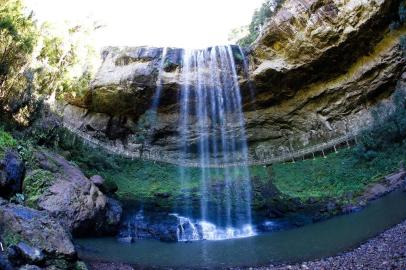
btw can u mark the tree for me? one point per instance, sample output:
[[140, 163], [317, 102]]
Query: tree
[[35, 62], [259, 18], [18, 37]]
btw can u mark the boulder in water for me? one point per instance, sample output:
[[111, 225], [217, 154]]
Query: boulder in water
[[159, 226]]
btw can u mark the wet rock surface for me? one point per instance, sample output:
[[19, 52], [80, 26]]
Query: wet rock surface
[[159, 226]]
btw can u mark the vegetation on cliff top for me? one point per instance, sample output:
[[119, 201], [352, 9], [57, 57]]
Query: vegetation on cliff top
[[246, 35], [35, 62]]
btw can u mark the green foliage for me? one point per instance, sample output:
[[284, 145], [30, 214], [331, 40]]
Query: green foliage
[[145, 180], [6, 140], [35, 184], [83, 155], [18, 37], [388, 128], [26, 150], [9, 238], [259, 18], [338, 176], [59, 55], [380, 149], [28, 77]]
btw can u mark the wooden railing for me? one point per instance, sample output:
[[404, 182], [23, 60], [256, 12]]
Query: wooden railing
[[161, 157]]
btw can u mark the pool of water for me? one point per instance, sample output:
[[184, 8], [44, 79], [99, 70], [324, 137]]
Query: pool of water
[[310, 242]]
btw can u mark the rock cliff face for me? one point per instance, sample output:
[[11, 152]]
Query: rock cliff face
[[317, 70]]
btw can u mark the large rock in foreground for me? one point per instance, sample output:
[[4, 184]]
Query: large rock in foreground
[[69, 196], [19, 223]]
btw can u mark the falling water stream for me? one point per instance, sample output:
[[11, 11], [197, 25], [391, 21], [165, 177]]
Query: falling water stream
[[210, 100]]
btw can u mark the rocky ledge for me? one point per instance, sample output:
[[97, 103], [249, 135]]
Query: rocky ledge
[[317, 70]]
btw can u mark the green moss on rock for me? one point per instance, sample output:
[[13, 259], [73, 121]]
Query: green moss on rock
[[35, 184], [9, 238]]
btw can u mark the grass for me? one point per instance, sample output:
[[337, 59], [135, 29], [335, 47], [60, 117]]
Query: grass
[[153, 182], [339, 175]]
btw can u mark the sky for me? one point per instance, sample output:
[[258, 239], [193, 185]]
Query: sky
[[162, 23]]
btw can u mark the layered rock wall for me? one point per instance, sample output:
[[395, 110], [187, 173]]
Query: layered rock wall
[[317, 70]]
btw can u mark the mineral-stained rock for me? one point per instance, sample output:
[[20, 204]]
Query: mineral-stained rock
[[74, 200], [11, 174]]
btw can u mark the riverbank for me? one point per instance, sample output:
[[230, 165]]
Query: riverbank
[[386, 251]]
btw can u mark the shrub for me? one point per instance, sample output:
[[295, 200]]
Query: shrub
[[388, 127], [6, 141]]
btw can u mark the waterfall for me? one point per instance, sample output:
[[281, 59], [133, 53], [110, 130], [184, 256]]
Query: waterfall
[[189, 230], [247, 74], [159, 85], [210, 100]]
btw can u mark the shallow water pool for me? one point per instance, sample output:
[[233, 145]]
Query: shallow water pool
[[310, 242]]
